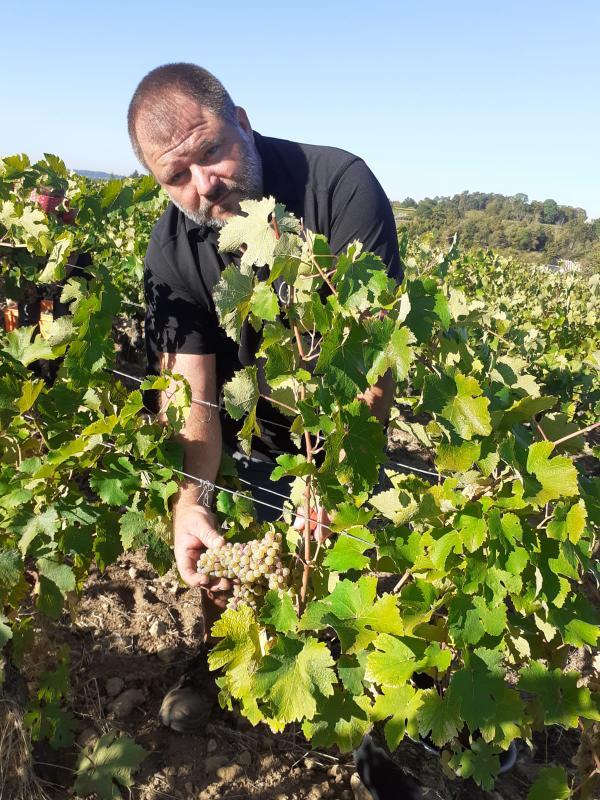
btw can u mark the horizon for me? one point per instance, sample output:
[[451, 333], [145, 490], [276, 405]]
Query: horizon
[[437, 100]]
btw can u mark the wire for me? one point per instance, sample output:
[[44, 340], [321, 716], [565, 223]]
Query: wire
[[203, 481], [399, 464], [196, 400], [414, 469]]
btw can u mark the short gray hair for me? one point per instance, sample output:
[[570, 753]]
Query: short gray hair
[[153, 98]]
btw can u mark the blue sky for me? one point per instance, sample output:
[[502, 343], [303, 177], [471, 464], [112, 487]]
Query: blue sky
[[437, 97]]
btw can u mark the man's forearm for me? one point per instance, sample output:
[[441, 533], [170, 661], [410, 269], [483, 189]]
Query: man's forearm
[[201, 440], [380, 396]]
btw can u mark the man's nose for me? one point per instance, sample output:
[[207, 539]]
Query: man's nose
[[204, 180]]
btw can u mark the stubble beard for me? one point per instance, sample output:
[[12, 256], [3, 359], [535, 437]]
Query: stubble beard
[[248, 184]]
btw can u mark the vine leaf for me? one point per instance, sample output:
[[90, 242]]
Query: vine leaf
[[293, 676], [395, 660], [26, 347], [397, 356], [241, 393], [354, 614], [279, 612], [561, 700], [252, 229], [109, 765], [557, 475], [480, 762], [238, 650], [550, 784], [233, 298], [484, 701], [438, 717], [341, 720], [467, 411], [45, 524], [400, 705], [348, 553]]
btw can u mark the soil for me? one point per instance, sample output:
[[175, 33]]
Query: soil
[[142, 630], [135, 632]]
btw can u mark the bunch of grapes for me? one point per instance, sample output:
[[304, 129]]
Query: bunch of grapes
[[255, 567]]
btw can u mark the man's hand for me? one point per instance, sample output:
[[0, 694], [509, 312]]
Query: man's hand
[[195, 528], [319, 523]]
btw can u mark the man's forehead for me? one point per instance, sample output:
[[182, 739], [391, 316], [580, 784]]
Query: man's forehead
[[165, 125]]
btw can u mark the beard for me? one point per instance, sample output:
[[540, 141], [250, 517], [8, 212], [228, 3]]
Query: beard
[[247, 184]]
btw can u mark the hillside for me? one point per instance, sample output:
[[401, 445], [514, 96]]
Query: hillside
[[542, 232]]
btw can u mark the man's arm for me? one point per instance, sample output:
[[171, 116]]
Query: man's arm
[[195, 526], [380, 396]]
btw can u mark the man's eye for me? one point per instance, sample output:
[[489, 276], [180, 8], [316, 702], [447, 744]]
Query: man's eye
[[177, 177], [211, 151]]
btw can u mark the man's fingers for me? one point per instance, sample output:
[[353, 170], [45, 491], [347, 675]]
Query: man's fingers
[[322, 530], [207, 536], [189, 573]]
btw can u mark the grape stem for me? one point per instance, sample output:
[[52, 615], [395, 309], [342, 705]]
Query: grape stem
[[307, 519]]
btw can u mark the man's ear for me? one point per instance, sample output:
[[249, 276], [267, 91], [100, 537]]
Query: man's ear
[[243, 121]]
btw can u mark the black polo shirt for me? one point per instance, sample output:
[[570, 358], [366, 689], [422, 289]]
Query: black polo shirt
[[332, 191]]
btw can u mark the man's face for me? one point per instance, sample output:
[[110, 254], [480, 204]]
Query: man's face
[[207, 165]]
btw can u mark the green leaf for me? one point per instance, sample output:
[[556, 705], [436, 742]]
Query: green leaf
[[457, 458], [233, 297], [484, 701], [279, 612], [557, 475], [351, 670], [61, 575], [264, 304], [21, 347], [400, 705], [5, 632], [293, 676], [253, 230], [133, 525], [524, 409], [363, 445], [473, 530], [341, 720], [295, 465], [397, 356], [356, 615], [11, 568], [159, 553], [108, 766], [562, 701], [480, 762], [568, 522], [44, 525], [30, 391], [551, 784], [238, 651], [348, 553], [467, 411], [241, 393], [55, 269], [436, 716]]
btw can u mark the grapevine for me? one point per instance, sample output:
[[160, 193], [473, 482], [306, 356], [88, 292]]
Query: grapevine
[[473, 575]]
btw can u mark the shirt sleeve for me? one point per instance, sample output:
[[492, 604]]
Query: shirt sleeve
[[176, 320], [361, 210]]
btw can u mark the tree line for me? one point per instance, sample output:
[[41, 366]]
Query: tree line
[[543, 232]]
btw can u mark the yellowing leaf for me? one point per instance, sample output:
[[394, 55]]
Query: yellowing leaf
[[293, 676]]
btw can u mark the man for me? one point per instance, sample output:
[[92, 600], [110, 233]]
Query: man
[[200, 147]]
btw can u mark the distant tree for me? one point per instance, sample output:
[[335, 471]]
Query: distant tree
[[135, 174], [408, 202], [550, 212]]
